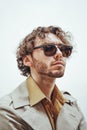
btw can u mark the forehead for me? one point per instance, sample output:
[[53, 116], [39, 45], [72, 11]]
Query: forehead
[[49, 38]]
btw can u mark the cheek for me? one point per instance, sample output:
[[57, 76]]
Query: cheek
[[42, 66]]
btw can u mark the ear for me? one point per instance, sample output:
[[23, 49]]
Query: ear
[[28, 61]]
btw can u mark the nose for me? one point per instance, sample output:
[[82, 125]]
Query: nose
[[58, 54]]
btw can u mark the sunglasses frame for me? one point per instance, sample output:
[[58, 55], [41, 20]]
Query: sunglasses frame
[[62, 47]]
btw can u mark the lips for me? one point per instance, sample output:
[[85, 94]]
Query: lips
[[58, 63]]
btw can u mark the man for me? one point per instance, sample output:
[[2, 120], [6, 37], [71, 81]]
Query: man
[[38, 104]]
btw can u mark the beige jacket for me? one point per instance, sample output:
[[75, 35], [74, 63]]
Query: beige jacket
[[17, 114]]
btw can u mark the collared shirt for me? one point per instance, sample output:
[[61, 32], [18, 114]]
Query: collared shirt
[[52, 107]]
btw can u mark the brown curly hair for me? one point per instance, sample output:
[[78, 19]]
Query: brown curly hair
[[27, 44]]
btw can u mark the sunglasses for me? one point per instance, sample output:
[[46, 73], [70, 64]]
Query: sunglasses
[[51, 49]]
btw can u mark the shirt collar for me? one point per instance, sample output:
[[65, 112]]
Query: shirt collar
[[35, 93], [21, 95]]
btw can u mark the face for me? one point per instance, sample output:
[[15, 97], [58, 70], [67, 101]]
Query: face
[[52, 66]]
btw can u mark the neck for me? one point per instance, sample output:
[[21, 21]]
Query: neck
[[45, 83]]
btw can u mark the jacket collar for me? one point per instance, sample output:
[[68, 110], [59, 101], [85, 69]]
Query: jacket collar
[[20, 96]]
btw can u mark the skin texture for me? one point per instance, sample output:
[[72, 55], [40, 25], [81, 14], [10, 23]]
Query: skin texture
[[44, 70]]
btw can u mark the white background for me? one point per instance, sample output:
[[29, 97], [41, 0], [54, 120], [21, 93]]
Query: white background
[[20, 17]]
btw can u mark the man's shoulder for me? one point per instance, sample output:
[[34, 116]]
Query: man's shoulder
[[6, 100], [68, 96]]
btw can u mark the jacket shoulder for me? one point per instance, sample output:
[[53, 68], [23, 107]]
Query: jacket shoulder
[[69, 97], [6, 100]]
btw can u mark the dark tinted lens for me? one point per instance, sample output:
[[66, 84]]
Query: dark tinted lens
[[50, 50], [66, 50]]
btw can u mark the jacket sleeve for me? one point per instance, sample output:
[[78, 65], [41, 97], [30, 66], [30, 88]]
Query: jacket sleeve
[[83, 123], [9, 120]]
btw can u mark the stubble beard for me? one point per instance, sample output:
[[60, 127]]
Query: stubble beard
[[43, 70]]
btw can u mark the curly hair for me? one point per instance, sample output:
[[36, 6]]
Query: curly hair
[[27, 44]]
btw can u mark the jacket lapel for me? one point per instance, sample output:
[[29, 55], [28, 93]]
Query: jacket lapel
[[35, 116], [69, 116]]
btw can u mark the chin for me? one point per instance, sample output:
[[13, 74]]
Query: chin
[[56, 75], [59, 76]]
